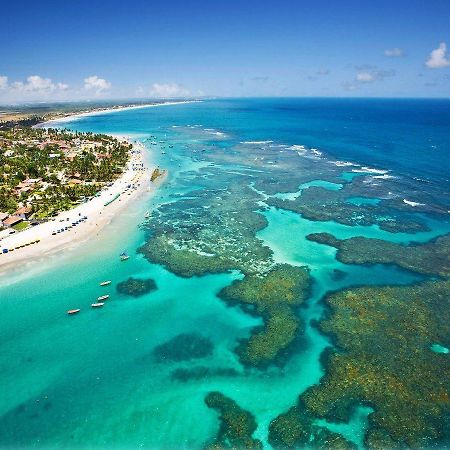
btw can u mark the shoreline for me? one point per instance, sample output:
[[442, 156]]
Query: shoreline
[[98, 213], [96, 112], [38, 242]]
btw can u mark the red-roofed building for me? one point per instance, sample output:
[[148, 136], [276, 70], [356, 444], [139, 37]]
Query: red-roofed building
[[11, 220], [3, 216], [24, 212]]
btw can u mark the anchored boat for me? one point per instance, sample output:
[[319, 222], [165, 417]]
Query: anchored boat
[[103, 297], [97, 305], [105, 283], [73, 311]]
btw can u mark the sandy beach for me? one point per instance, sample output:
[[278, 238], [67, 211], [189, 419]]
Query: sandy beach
[[72, 117], [42, 240]]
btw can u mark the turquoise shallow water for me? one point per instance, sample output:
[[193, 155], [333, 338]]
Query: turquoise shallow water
[[91, 380]]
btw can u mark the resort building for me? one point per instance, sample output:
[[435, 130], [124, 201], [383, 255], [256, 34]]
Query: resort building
[[24, 212], [3, 216], [11, 221]]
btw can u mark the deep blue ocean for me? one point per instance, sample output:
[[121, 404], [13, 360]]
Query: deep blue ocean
[[409, 136], [94, 382]]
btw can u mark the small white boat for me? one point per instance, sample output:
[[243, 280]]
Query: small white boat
[[103, 297], [97, 305], [105, 283], [147, 214], [73, 311], [124, 256]]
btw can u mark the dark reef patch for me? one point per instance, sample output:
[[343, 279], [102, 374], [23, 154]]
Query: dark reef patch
[[320, 204], [202, 372], [295, 429], [134, 287], [236, 425], [273, 296], [184, 347], [431, 258], [383, 359], [212, 231], [383, 335]]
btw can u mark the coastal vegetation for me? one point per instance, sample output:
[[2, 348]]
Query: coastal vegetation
[[50, 170], [236, 425]]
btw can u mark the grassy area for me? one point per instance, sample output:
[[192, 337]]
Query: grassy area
[[20, 226]]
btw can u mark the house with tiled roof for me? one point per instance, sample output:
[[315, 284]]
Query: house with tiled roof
[[24, 212], [3, 216], [11, 220]]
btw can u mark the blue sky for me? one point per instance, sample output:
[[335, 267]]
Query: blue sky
[[122, 49]]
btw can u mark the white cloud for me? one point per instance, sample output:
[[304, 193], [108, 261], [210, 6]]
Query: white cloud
[[3, 82], [369, 74], [34, 84], [94, 83], [438, 57], [34, 87], [366, 74], [168, 90], [394, 52], [365, 77]]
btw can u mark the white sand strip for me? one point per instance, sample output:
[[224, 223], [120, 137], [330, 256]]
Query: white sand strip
[[98, 216]]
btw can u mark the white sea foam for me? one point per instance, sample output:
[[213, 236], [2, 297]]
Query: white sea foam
[[214, 132], [343, 163], [316, 154], [413, 204], [256, 142], [365, 169], [383, 177]]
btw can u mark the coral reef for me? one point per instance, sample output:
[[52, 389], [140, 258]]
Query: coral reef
[[184, 347], [295, 429], [208, 233], [236, 425], [136, 287], [273, 296], [319, 204], [201, 372], [431, 258], [383, 359]]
